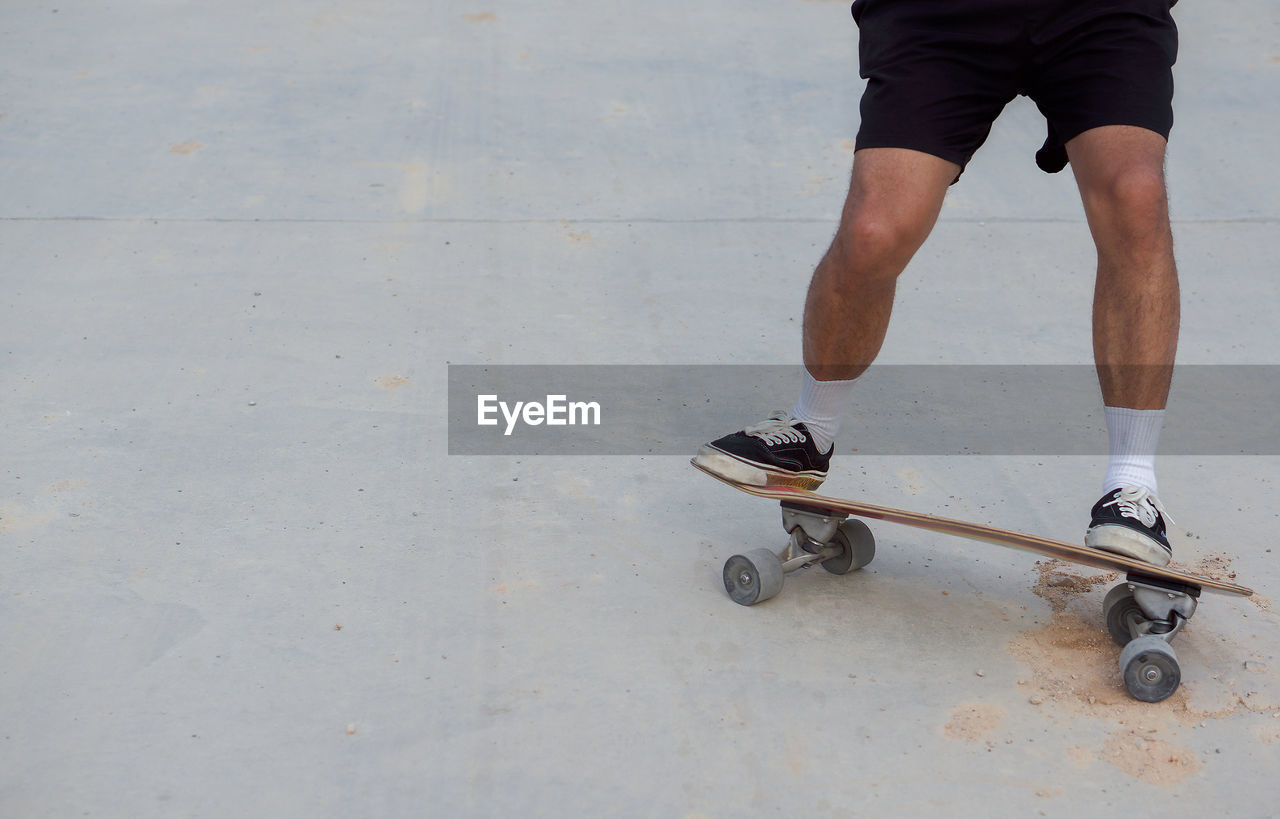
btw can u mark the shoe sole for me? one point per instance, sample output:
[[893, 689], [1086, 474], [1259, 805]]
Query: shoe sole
[[732, 468], [1122, 540]]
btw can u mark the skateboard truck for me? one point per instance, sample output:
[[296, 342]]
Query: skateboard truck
[[835, 541], [1166, 605], [1143, 614]]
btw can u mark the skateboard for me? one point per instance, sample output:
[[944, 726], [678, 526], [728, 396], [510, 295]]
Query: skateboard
[[1142, 614]]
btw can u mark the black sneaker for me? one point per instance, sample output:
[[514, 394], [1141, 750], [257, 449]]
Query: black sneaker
[[1130, 522], [775, 452]]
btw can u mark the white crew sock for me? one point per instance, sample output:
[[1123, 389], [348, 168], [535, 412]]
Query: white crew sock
[[821, 407], [1133, 436]]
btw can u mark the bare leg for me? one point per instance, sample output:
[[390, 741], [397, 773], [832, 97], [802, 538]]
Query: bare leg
[[1120, 173], [894, 199]]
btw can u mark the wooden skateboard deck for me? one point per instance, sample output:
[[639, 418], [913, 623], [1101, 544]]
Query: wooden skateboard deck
[[989, 534]]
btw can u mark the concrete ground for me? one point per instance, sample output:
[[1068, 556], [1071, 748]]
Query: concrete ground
[[240, 574]]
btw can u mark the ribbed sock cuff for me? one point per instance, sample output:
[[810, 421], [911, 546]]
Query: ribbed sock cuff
[[1133, 437], [821, 407]]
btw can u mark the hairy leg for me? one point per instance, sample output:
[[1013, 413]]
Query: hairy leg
[[894, 199], [1120, 173]]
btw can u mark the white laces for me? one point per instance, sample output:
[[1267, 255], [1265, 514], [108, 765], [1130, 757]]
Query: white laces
[[777, 429], [1140, 504]]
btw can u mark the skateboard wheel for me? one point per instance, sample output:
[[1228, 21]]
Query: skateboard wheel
[[1150, 669], [754, 577], [1118, 607], [857, 547]]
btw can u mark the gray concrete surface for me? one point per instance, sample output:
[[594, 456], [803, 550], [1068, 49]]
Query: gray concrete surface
[[239, 574]]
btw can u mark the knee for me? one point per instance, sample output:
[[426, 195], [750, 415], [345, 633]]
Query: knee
[[1129, 216], [874, 245], [1131, 196]]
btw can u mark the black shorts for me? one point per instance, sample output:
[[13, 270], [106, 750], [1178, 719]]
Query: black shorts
[[940, 71]]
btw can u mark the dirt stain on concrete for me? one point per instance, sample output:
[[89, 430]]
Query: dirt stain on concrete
[[189, 147], [19, 519], [973, 721], [1144, 756], [1268, 734], [577, 237], [420, 185], [391, 382], [481, 17], [911, 480]]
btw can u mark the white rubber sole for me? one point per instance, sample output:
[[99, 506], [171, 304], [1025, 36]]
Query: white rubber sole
[[735, 469], [1122, 540]]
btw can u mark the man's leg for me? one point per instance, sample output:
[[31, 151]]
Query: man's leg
[[1120, 173], [894, 199]]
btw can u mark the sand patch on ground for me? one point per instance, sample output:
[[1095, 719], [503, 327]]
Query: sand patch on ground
[[1268, 734], [1217, 566], [1144, 756], [1058, 584], [973, 721]]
